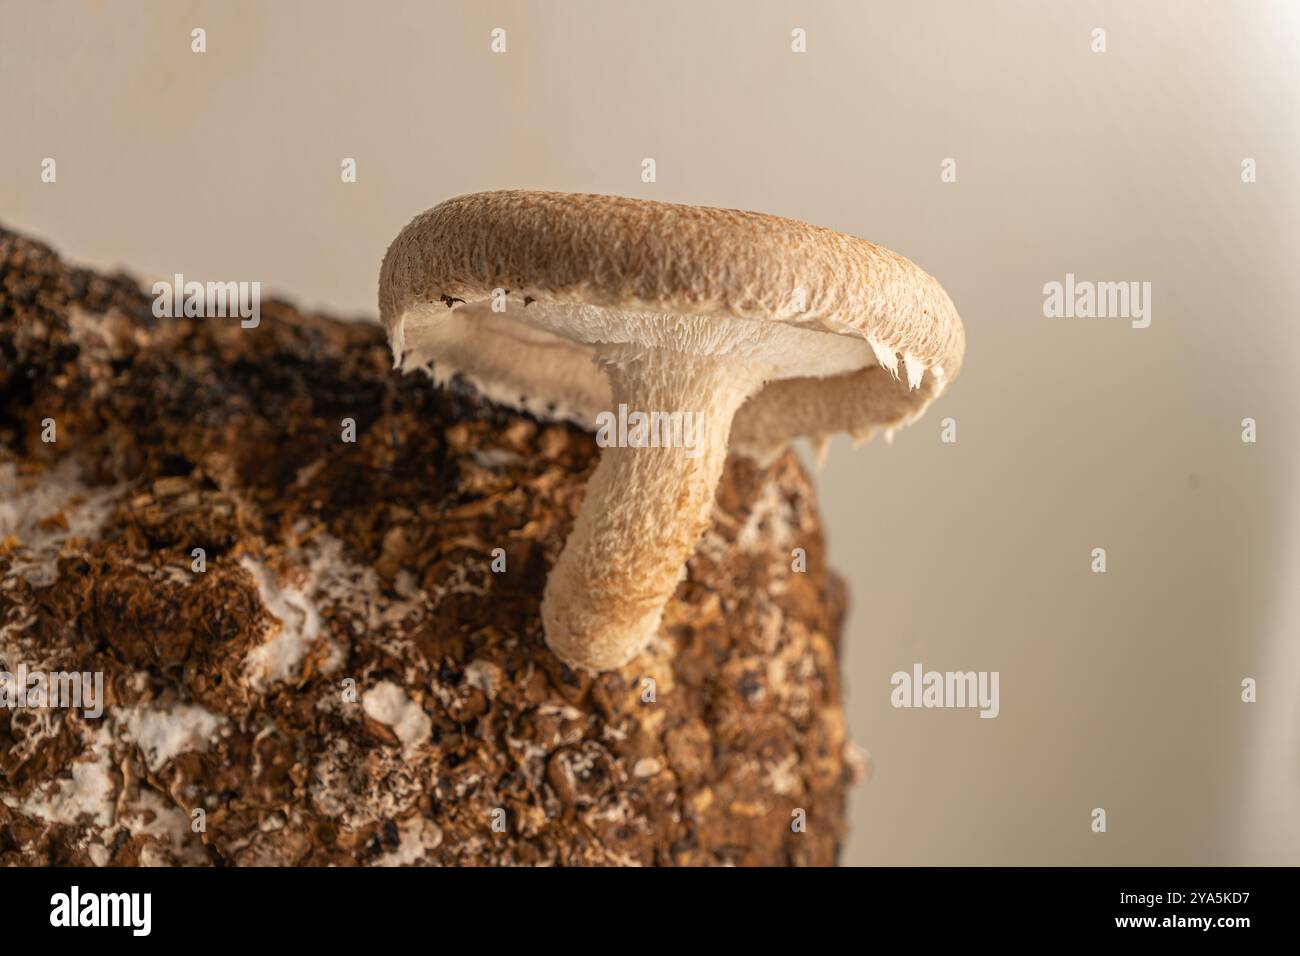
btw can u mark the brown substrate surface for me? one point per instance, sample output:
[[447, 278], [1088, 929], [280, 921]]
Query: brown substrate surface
[[343, 678]]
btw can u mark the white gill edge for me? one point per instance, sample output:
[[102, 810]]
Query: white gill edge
[[886, 355]]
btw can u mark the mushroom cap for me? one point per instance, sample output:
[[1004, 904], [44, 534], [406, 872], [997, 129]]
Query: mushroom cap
[[872, 339]]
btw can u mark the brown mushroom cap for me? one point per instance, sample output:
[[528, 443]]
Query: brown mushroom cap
[[552, 253]]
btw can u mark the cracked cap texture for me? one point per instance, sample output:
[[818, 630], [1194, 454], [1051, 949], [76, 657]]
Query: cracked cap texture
[[639, 255]]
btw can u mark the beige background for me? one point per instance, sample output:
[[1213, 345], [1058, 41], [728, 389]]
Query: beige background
[[1119, 691]]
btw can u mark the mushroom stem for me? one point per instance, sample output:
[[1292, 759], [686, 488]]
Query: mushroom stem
[[646, 507]]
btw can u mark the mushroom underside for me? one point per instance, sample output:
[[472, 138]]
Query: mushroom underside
[[545, 364]]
